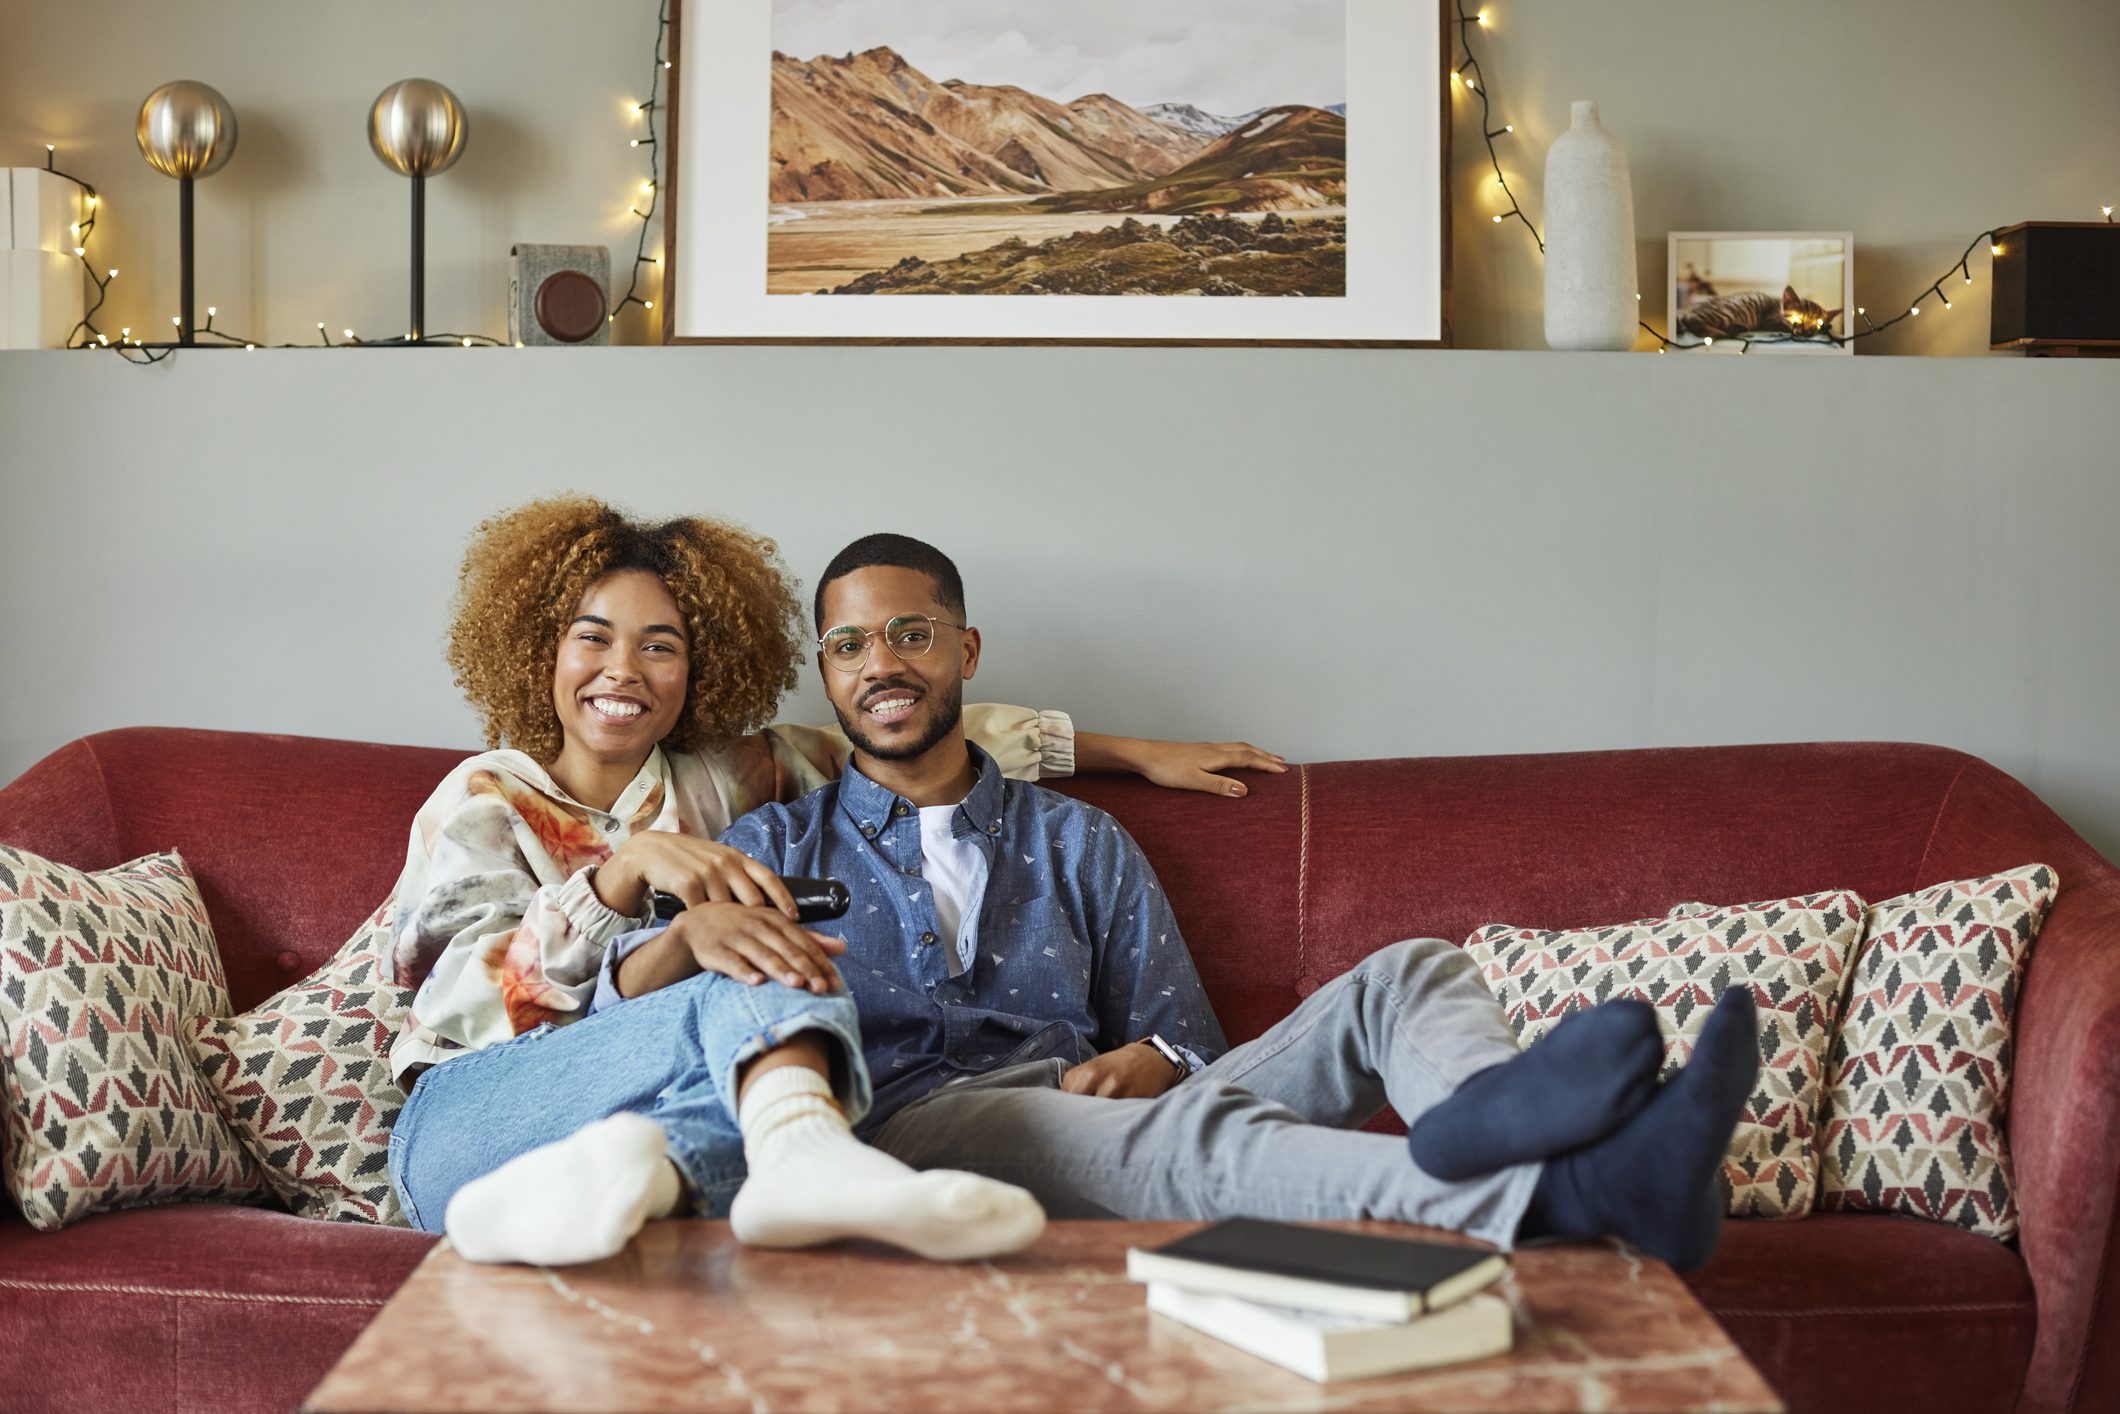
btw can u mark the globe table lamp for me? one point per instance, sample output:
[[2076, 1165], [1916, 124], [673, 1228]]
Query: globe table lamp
[[186, 131], [417, 129]]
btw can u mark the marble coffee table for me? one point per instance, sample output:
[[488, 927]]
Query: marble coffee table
[[688, 1319]]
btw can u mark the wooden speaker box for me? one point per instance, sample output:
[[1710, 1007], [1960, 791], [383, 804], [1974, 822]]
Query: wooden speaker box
[[2057, 288]]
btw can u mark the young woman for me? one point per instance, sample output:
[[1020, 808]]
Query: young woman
[[630, 668]]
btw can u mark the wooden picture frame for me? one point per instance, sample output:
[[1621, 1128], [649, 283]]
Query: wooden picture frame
[[851, 131]]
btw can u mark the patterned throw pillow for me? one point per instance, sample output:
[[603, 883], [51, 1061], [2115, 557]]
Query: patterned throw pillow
[[1791, 952], [99, 975], [1920, 1068], [305, 1079]]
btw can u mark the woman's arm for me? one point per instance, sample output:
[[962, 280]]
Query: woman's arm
[[1031, 745], [1175, 765]]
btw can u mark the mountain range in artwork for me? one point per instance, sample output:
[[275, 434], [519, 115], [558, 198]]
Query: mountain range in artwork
[[883, 180]]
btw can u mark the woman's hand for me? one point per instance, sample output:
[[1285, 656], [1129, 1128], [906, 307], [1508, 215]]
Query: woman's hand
[[1176, 765], [1135, 1072], [695, 870]]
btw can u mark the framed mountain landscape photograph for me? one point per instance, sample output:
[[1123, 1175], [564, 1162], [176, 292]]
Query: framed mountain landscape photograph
[[1058, 171]]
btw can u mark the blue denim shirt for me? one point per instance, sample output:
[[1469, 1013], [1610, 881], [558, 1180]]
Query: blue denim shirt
[[1076, 948]]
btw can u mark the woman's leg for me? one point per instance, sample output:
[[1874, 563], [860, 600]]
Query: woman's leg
[[556, 1146]]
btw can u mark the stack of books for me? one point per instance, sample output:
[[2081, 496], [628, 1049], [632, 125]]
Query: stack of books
[[1329, 1305]]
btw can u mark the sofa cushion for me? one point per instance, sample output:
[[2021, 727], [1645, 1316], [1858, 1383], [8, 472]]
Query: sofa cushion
[[1791, 952], [99, 975], [1920, 1065], [304, 1078], [196, 1306], [1865, 1311]]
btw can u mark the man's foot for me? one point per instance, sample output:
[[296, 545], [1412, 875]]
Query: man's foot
[[1653, 1182], [578, 1200], [812, 1182], [1577, 1084]]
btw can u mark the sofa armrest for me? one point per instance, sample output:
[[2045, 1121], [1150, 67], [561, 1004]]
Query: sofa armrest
[[2064, 1128], [60, 808], [2064, 1108]]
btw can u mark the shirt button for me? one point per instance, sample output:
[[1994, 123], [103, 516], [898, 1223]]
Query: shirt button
[[993, 829], [902, 809], [914, 871], [927, 937], [868, 831]]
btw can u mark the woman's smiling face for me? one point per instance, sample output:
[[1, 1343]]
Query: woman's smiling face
[[619, 682]]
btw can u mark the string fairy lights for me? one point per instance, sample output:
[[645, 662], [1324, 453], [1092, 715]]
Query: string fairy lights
[[653, 185], [86, 334], [1476, 81]]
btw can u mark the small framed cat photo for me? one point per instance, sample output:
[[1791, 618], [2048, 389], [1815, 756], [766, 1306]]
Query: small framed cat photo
[[1762, 291]]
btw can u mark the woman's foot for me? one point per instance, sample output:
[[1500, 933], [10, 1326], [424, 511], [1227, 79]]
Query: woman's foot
[[1653, 1182], [578, 1200], [811, 1182], [1577, 1084]]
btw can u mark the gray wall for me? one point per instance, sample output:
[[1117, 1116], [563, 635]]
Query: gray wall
[[1333, 553], [1342, 553], [1915, 123]]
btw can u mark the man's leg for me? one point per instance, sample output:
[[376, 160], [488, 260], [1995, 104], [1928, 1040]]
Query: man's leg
[[1207, 1149], [1414, 1026]]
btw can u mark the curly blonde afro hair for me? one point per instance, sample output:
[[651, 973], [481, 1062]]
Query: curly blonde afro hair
[[527, 570]]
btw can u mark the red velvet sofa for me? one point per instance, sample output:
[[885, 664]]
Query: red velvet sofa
[[294, 841]]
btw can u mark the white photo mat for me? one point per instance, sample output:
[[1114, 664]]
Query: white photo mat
[[1398, 227]]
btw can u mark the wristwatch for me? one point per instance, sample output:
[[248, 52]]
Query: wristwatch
[[1169, 1052]]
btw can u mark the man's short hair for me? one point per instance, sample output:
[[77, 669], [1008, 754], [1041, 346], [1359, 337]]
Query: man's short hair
[[888, 551]]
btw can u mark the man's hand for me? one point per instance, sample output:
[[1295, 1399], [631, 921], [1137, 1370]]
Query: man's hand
[[742, 941], [1136, 1072]]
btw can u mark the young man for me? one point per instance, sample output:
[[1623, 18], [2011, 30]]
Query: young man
[[1029, 1011]]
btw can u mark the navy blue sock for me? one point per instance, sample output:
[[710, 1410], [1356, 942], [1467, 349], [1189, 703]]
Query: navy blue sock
[[1654, 1181], [1577, 1084]]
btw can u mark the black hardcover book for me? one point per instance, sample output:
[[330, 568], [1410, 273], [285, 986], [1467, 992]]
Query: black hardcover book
[[1320, 1269]]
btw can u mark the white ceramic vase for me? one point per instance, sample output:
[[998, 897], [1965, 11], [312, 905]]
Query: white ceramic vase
[[1591, 285]]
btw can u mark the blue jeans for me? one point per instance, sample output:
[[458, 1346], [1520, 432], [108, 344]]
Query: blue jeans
[[672, 1055]]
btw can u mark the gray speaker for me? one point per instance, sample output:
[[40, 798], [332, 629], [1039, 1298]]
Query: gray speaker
[[559, 294]]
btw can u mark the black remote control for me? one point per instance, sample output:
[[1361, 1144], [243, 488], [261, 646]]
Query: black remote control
[[816, 900]]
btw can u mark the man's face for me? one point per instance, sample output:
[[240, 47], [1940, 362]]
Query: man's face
[[893, 708]]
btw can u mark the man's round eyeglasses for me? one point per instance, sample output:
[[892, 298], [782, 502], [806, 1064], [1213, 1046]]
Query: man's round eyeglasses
[[908, 636]]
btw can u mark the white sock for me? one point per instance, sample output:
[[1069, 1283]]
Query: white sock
[[578, 1200], [812, 1181]]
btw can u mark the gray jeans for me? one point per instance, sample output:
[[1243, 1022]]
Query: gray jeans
[[1267, 1131]]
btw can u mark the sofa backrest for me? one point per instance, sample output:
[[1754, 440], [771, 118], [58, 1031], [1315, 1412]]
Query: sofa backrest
[[295, 840], [1285, 889]]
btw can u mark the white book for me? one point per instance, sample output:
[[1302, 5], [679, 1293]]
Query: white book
[[1321, 1346]]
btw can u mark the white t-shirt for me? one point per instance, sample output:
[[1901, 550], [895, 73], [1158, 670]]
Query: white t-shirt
[[956, 870]]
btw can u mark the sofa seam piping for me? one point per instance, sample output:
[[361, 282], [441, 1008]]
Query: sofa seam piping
[[195, 1293], [2083, 1357], [1303, 875], [110, 806], [1937, 823], [1839, 1311]]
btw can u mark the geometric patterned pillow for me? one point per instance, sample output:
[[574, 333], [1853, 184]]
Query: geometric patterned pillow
[[1792, 953], [305, 1080], [1921, 1062], [99, 975]]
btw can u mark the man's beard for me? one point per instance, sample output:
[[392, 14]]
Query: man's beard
[[949, 711]]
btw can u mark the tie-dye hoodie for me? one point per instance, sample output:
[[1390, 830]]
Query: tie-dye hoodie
[[495, 920]]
